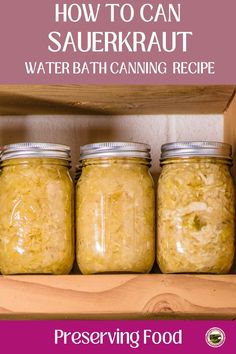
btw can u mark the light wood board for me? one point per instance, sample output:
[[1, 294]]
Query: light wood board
[[118, 296], [230, 124], [113, 100]]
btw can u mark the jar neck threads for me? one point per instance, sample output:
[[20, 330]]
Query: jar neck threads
[[115, 161], [196, 159], [35, 161]]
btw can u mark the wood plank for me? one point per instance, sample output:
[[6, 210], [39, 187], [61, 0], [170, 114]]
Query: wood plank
[[230, 137], [113, 100], [118, 296], [230, 124]]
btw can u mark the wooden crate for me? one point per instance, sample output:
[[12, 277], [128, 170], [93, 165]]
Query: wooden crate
[[118, 296]]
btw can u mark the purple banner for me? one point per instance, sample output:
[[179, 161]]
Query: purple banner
[[128, 42], [104, 337]]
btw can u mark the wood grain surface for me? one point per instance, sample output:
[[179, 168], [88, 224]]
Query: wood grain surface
[[118, 296], [230, 127], [113, 100]]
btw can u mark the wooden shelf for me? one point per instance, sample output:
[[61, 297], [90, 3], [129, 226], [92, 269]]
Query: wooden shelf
[[114, 100], [118, 296]]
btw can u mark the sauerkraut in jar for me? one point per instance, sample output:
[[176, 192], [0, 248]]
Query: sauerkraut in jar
[[115, 209], [36, 214], [196, 208]]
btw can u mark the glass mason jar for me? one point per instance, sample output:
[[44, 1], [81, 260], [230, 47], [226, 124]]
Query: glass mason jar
[[196, 208], [36, 214], [115, 209]]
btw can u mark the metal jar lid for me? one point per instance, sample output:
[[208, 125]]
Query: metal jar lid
[[36, 150], [115, 149], [196, 148]]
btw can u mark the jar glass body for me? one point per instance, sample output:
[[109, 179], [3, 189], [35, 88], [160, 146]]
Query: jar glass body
[[36, 217], [115, 216], [195, 216]]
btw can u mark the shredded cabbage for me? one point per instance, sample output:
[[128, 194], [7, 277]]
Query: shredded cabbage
[[36, 217], [115, 218], [195, 217]]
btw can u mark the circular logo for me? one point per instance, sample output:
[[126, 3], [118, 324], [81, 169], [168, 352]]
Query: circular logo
[[215, 337]]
